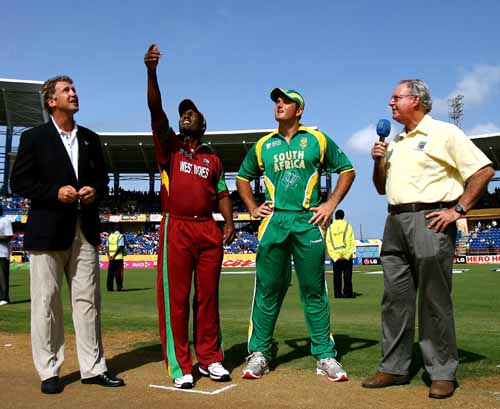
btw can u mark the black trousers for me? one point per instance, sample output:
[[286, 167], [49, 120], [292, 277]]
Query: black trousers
[[342, 269], [4, 279], [115, 273]]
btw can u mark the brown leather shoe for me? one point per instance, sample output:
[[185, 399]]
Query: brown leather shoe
[[441, 389], [382, 380]]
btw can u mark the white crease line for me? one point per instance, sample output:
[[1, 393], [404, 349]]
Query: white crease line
[[171, 388], [225, 388]]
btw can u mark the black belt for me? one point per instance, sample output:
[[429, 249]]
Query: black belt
[[417, 207]]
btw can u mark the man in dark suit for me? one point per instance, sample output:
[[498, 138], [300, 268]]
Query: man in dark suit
[[60, 167]]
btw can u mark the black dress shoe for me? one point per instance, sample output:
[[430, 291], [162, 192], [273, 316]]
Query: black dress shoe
[[52, 385], [104, 379]]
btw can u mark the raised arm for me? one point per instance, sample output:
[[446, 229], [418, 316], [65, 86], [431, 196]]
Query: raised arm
[[159, 119]]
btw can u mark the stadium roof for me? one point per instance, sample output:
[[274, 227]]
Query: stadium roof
[[490, 145], [132, 152], [21, 103]]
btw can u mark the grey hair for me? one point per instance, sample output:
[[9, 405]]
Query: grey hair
[[421, 90]]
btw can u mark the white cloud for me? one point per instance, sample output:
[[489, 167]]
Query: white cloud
[[476, 86], [488, 127], [362, 141]]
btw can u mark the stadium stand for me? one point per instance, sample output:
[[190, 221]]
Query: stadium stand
[[481, 237]]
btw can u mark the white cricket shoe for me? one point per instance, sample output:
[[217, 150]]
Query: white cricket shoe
[[256, 366], [332, 369], [216, 372], [184, 382]]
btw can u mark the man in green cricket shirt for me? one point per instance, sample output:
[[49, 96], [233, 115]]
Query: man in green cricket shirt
[[291, 159]]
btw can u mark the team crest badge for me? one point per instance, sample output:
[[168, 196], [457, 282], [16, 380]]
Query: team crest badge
[[206, 161], [421, 146], [303, 142]]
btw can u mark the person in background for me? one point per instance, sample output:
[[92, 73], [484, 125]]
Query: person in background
[[116, 253], [5, 237], [340, 244]]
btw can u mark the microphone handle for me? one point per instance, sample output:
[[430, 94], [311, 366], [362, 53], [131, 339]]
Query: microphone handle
[[381, 138]]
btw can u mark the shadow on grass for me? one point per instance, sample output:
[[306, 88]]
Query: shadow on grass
[[125, 361], [235, 356], [301, 347], [128, 290], [464, 357]]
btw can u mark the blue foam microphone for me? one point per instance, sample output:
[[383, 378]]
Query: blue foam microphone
[[383, 129]]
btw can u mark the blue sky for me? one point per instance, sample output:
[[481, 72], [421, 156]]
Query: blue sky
[[344, 57]]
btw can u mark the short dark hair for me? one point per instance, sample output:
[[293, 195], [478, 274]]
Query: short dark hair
[[339, 214], [49, 88]]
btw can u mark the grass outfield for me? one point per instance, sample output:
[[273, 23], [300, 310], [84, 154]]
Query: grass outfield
[[355, 322]]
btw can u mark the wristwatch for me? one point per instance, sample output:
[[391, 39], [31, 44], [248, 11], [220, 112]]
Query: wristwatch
[[460, 209]]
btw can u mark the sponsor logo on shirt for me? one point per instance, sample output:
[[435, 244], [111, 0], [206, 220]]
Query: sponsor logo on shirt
[[315, 241], [272, 144]]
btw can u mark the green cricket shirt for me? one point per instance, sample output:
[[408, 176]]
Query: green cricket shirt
[[292, 170]]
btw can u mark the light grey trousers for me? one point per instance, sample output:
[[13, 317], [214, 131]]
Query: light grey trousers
[[80, 265], [418, 263]]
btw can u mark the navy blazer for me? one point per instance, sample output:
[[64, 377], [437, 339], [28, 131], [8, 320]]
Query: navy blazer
[[42, 167]]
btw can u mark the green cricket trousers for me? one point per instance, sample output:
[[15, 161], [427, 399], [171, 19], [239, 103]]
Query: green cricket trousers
[[282, 235]]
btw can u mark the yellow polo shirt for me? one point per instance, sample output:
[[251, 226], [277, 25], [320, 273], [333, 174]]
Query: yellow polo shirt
[[431, 163]]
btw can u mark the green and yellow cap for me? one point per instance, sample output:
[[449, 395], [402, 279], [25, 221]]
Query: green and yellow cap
[[288, 93]]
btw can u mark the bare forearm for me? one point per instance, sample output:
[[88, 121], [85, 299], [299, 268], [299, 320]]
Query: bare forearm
[[379, 176], [246, 195], [476, 186], [343, 185], [154, 95], [226, 209]]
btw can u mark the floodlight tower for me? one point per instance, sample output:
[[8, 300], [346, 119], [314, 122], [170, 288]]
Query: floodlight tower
[[456, 109]]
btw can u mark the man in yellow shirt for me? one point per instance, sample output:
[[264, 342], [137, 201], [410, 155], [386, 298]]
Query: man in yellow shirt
[[116, 253], [423, 171], [340, 244]]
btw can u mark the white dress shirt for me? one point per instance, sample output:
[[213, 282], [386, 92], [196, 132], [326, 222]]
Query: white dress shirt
[[5, 230], [70, 142]]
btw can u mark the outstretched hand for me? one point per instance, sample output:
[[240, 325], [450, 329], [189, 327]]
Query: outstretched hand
[[152, 57]]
